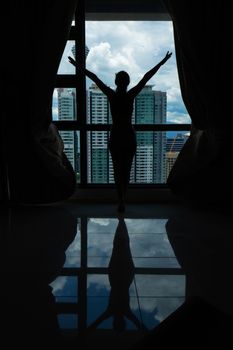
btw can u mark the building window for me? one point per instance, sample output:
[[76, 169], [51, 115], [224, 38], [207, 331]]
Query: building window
[[81, 111]]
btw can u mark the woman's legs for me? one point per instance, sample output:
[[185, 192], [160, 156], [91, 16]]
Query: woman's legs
[[122, 148], [119, 178], [122, 163]]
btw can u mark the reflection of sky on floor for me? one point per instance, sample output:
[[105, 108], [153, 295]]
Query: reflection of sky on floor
[[73, 251], [152, 296], [148, 242]]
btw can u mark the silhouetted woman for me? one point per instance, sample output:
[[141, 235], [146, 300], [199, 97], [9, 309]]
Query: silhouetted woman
[[122, 141]]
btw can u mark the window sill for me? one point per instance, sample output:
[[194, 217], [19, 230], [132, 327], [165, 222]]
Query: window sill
[[139, 195]]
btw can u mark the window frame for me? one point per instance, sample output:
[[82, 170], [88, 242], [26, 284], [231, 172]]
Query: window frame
[[77, 34]]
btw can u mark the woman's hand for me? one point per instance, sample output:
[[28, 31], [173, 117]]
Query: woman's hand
[[168, 55], [72, 61]]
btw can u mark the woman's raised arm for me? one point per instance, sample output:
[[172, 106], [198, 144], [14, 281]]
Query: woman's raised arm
[[137, 88], [103, 87]]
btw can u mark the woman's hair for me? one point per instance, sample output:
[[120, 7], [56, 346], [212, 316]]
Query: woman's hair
[[122, 79]]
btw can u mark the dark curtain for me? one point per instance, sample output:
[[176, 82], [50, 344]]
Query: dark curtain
[[33, 162], [203, 42]]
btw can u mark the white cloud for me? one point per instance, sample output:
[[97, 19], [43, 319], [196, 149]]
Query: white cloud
[[133, 46], [178, 117], [100, 221], [101, 282], [59, 283], [160, 307], [146, 225], [160, 285]]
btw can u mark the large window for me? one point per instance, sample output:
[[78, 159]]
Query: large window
[[82, 112]]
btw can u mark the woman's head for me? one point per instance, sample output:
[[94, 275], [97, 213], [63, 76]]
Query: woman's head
[[122, 79]]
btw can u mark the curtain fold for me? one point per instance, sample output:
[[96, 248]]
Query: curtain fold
[[35, 36], [203, 42]]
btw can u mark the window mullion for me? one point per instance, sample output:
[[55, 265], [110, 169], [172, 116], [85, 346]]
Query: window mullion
[[81, 87]]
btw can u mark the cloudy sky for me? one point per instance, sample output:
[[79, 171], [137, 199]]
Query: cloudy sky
[[135, 47]]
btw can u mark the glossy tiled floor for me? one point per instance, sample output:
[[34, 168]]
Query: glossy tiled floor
[[84, 275]]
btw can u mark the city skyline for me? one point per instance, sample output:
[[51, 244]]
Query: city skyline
[[156, 152]]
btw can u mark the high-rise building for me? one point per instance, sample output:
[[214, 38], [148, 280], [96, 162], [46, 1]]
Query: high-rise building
[[149, 163], [150, 108], [74, 51], [99, 161], [173, 147], [66, 111]]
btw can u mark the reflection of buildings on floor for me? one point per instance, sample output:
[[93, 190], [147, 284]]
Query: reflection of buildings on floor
[[59, 261]]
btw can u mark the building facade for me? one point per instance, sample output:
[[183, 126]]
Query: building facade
[[150, 107], [174, 145], [66, 111]]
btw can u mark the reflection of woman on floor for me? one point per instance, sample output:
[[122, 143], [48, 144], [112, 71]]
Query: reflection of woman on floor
[[122, 142], [121, 274]]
